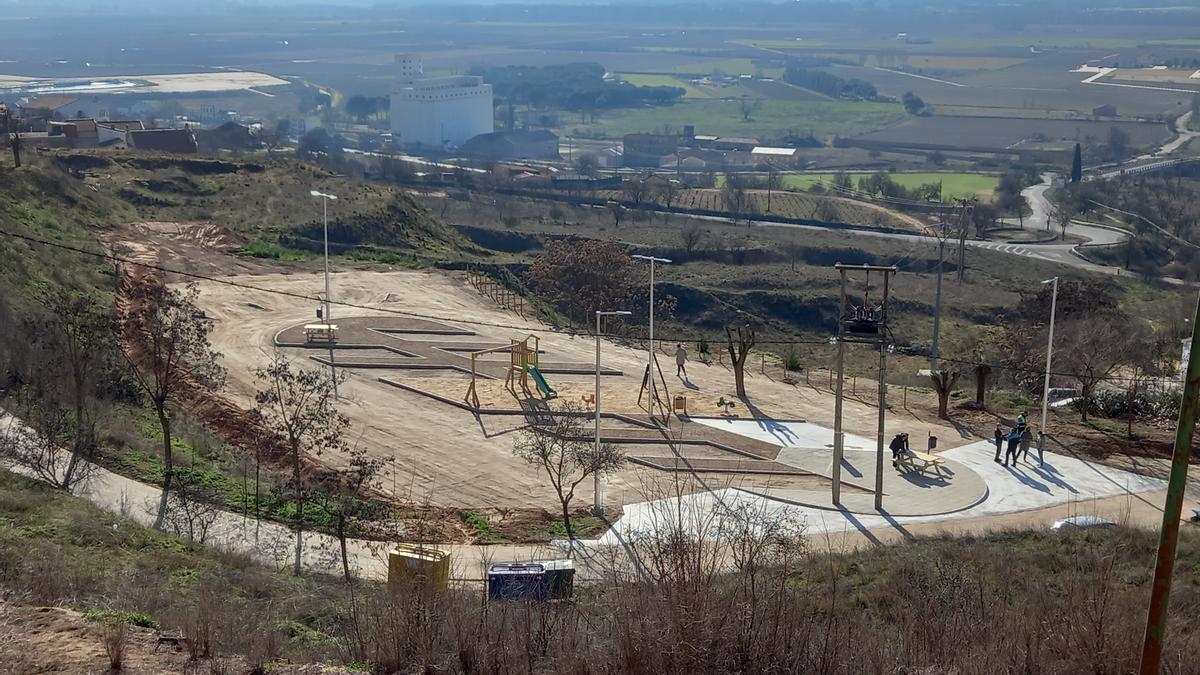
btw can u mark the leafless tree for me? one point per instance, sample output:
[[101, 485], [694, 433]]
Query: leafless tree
[[561, 445], [739, 350], [617, 211], [298, 405], [794, 251], [75, 335], [1060, 213], [191, 509], [1092, 350], [169, 352], [748, 106], [38, 443], [691, 235], [943, 383], [343, 497]]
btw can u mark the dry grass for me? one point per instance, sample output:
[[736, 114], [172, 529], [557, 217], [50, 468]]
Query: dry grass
[[754, 599], [114, 645]]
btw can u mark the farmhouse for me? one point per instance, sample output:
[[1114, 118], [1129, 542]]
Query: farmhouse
[[515, 144], [177, 141], [648, 149], [763, 154], [435, 112]]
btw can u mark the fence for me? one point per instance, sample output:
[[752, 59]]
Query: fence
[[503, 296]]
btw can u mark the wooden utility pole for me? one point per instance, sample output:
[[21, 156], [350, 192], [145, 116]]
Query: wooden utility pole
[[866, 325], [1164, 568]]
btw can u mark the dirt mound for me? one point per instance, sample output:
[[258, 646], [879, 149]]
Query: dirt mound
[[207, 235]]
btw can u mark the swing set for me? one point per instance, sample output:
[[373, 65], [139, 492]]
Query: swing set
[[523, 365]]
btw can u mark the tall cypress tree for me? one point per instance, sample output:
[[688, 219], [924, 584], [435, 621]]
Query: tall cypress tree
[[1077, 165]]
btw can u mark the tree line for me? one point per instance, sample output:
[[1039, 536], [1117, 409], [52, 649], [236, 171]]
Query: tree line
[[572, 86]]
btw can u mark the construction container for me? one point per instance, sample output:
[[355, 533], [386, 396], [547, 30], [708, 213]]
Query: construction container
[[419, 564], [537, 581]]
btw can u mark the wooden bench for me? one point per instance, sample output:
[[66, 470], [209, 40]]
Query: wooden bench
[[919, 461]]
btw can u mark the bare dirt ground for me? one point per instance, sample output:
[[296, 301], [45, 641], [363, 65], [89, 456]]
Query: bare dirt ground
[[57, 640], [445, 454]]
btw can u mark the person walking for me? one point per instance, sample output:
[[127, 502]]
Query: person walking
[[1026, 439], [1041, 446], [680, 360], [1014, 440], [999, 442], [1022, 420]]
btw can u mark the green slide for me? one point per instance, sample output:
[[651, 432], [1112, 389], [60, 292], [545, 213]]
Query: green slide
[[541, 383]]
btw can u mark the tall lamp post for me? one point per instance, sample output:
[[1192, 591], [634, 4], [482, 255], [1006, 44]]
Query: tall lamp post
[[650, 351], [1049, 351], [598, 497], [325, 198]]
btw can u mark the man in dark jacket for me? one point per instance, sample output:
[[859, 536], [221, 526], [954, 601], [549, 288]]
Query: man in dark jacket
[[999, 442], [898, 446]]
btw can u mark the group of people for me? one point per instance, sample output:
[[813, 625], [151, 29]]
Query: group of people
[[1018, 441]]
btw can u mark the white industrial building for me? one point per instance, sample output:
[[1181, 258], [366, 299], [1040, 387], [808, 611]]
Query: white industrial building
[[437, 112]]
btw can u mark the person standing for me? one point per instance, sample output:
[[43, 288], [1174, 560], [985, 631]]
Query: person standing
[[1026, 439], [1041, 447], [1014, 440], [898, 446], [1022, 420], [999, 442], [680, 360]]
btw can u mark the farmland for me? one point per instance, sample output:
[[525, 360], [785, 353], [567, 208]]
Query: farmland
[[789, 205], [998, 132], [825, 119], [953, 184]]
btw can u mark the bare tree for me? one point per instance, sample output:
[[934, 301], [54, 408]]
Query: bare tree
[[1091, 350], [739, 349], [617, 211], [343, 497], [38, 443], [1060, 213], [75, 334], [943, 383], [748, 106], [794, 251], [561, 445], [691, 235], [168, 349], [668, 191], [298, 405], [191, 511]]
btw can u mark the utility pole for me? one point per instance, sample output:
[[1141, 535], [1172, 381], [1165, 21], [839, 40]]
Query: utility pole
[[870, 327], [883, 343], [1049, 351], [770, 180], [651, 361], [967, 206], [597, 484], [838, 434], [1164, 568], [937, 306], [328, 319]]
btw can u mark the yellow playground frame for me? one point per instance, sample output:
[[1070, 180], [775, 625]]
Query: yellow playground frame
[[522, 357]]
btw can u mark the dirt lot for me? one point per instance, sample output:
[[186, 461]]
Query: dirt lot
[[444, 453]]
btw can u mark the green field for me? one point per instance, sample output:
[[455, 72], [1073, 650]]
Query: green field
[[825, 119], [953, 184], [651, 80]]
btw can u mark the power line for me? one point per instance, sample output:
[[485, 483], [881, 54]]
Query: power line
[[489, 324]]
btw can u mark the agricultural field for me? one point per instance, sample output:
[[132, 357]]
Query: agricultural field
[[825, 119], [1000, 132], [790, 205], [653, 80], [953, 184], [782, 91], [1189, 77]]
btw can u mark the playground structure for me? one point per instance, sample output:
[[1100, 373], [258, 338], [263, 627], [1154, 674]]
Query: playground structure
[[523, 364]]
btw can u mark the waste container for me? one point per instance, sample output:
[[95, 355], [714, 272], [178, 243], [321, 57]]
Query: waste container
[[932, 443], [539, 581], [418, 563]]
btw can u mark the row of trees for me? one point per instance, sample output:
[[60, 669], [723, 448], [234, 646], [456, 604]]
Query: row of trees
[[830, 84], [572, 86]]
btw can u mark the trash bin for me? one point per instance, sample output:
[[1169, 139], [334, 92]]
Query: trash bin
[[538, 581], [932, 443], [417, 563]]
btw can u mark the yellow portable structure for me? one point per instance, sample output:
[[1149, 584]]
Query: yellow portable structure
[[419, 563], [521, 356]]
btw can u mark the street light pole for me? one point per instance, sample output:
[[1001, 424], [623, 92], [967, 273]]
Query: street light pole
[[597, 485], [328, 306], [1049, 352], [937, 307], [650, 386]]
